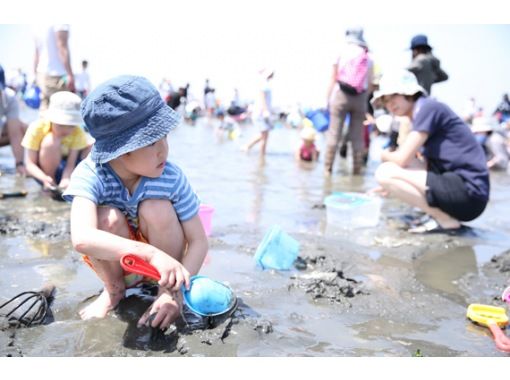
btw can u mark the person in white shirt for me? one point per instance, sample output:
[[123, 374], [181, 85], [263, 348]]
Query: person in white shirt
[[52, 61], [82, 80]]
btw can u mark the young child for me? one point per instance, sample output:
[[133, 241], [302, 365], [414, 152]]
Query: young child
[[55, 143], [127, 198], [307, 151], [451, 183], [228, 124]]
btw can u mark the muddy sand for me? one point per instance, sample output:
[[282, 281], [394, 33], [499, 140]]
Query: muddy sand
[[377, 291]]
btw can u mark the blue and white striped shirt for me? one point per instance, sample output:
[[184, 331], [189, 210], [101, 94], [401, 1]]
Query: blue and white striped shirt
[[101, 185]]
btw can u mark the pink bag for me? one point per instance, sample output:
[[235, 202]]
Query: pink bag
[[353, 73]]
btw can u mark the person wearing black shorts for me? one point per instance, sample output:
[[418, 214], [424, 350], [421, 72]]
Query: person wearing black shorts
[[440, 168]]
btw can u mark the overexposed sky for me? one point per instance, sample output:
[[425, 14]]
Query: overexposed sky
[[228, 42]]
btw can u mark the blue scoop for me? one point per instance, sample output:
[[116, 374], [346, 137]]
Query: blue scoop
[[207, 297]]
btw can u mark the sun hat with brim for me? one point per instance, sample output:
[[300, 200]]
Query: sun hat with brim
[[355, 36], [419, 40], [401, 82], [124, 114], [308, 133], [482, 124], [64, 109]]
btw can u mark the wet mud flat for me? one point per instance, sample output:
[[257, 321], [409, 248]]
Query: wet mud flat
[[364, 292]]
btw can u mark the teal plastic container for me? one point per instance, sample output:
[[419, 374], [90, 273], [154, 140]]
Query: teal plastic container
[[353, 210], [208, 297], [277, 250]]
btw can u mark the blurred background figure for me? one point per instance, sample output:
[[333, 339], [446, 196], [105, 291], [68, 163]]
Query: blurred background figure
[[52, 61], [12, 128], [82, 81], [493, 141], [502, 111], [165, 89], [470, 110], [17, 81], [351, 82], [307, 151], [262, 111], [425, 66]]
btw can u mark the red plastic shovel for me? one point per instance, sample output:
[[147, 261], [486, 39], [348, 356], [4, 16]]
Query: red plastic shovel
[[134, 264]]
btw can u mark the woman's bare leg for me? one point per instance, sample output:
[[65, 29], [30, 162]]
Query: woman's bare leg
[[409, 185]]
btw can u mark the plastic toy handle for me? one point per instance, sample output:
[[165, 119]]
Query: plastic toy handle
[[501, 340], [134, 264], [14, 194]]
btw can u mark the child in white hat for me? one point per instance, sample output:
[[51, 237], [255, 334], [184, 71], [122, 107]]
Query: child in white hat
[[56, 142], [308, 150]]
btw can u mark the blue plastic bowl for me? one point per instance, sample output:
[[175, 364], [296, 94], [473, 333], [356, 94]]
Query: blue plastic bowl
[[207, 297]]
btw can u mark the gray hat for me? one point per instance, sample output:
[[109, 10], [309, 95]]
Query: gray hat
[[355, 36], [124, 114]]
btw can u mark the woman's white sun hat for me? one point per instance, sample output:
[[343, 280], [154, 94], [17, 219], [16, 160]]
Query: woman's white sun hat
[[64, 109], [401, 82]]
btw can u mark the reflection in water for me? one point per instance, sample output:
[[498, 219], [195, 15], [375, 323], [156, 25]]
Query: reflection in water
[[442, 268], [259, 181]]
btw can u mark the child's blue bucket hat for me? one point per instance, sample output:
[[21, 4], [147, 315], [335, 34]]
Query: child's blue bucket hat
[[124, 114], [208, 298]]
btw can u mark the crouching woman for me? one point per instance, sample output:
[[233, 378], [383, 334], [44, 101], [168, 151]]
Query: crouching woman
[[440, 168]]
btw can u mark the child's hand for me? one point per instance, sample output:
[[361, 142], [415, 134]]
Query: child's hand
[[163, 312], [48, 183], [64, 183], [173, 274]]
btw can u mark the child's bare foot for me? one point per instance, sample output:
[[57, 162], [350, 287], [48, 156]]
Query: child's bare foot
[[102, 305]]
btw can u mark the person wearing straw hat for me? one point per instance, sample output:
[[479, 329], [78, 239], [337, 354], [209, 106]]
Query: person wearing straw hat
[[450, 180], [127, 198], [308, 150], [56, 143]]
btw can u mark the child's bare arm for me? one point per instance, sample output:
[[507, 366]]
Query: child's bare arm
[[33, 169], [197, 244], [68, 170], [89, 240]]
